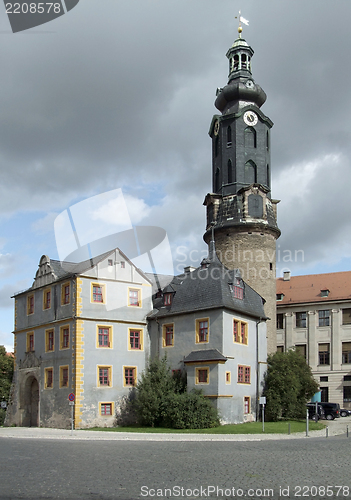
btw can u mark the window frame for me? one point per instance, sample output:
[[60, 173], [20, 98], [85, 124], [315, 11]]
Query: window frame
[[65, 297], [30, 304], [325, 357], [109, 336], [30, 346], [131, 298], [101, 375], [102, 293], [244, 374], [46, 296], [134, 368], [301, 321], [47, 370], [47, 340], [228, 376], [141, 339], [63, 328], [62, 378], [280, 324], [346, 353], [346, 315], [238, 336], [323, 318], [105, 403], [198, 329], [247, 405], [165, 335], [200, 370]]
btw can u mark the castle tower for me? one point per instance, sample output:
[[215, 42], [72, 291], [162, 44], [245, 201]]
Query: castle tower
[[240, 208]]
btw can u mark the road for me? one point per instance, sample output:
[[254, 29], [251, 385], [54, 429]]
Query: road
[[106, 470]]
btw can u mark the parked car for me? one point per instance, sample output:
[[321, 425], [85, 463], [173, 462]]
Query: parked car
[[344, 413], [312, 411], [331, 410]]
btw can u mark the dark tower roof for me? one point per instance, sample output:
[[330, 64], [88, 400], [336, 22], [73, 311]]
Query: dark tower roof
[[241, 87]]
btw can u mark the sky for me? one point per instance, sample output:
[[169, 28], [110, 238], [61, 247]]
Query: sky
[[119, 94]]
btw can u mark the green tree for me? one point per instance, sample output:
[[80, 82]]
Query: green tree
[[6, 374], [289, 385], [160, 400]]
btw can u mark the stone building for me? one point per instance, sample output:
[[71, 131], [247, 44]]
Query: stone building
[[240, 208], [212, 326], [79, 329], [314, 315]]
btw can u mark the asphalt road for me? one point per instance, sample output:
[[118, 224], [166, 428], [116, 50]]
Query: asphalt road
[[104, 470]]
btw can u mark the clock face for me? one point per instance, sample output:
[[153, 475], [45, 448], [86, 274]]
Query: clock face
[[216, 127], [250, 118]]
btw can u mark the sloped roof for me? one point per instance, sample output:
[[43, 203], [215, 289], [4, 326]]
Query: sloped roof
[[209, 288], [301, 289], [205, 355]]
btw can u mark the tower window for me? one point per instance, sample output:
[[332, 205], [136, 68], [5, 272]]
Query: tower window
[[250, 173], [216, 144], [230, 172], [229, 135], [243, 61], [236, 61], [250, 138]]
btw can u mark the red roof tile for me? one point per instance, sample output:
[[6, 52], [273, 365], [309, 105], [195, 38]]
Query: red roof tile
[[300, 289]]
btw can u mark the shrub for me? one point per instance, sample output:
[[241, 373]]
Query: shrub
[[190, 410]]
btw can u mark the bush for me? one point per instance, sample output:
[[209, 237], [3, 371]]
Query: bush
[[160, 400]]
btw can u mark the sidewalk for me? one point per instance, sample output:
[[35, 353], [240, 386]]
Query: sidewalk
[[335, 427]]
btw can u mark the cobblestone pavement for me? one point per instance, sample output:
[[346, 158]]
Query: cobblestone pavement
[[129, 470]]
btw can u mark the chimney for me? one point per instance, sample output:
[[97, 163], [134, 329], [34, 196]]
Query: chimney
[[286, 276]]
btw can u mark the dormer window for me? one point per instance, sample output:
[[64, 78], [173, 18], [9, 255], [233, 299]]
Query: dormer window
[[237, 288], [167, 299], [280, 296], [324, 293]]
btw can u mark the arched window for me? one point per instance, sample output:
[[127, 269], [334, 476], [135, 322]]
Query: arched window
[[236, 61], [250, 137], [217, 180], [229, 135], [243, 61], [230, 172], [250, 173]]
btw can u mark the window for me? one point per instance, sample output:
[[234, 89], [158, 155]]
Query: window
[[123, 264], [110, 262], [130, 376], [324, 318], [30, 341], [48, 378], [104, 336], [346, 316], [346, 352], [244, 374], [98, 293], [323, 379], [135, 339], [324, 354], [246, 405], [324, 293], [65, 294], [30, 304], [202, 333], [167, 335], [280, 321], [347, 378], [280, 296], [347, 393], [202, 375], [49, 340], [240, 332], [104, 376], [106, 409], [134, 297], [64, 337], [229, 135], [324, 394], [47, 299], [301, 349], [301, 320], [280, 348], [227, 377], [63, 376], [167, 299], [237, 289]]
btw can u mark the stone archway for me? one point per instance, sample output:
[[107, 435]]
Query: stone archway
[[31, 403]]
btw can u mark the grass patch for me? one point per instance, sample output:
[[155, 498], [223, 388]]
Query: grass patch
[[248, 428]]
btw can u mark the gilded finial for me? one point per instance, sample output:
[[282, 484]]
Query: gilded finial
[[241, 20]]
